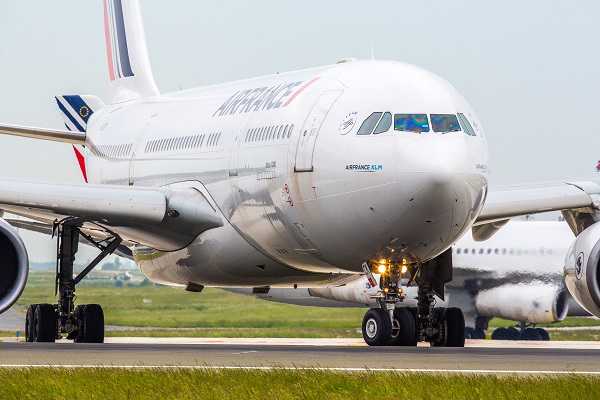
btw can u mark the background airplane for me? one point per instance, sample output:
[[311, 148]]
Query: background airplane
[[295, 179]]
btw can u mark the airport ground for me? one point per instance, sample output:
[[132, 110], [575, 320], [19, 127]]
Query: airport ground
[[205, 362]]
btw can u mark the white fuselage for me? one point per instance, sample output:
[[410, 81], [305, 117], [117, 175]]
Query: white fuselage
[[305, 199]]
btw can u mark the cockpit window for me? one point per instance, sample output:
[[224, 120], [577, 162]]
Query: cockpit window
[[385, 124], [411, 122], [444, 123], [367, 126], [464, 122]]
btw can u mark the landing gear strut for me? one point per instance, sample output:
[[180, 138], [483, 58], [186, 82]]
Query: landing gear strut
[[389, 325], [84, 323]]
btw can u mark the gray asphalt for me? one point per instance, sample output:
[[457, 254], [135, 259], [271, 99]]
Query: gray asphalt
[[257, 355]]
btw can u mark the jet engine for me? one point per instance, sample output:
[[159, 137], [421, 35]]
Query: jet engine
[[582, 269], [536, 303], [14, 265]]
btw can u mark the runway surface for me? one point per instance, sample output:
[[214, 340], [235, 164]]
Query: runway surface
[[478, 356]]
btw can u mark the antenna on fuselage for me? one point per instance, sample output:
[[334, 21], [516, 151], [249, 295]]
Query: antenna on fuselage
[[372, 52]]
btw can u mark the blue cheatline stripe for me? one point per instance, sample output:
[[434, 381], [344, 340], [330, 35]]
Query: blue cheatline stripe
[[73, 120], [80, 107], [122, 40]]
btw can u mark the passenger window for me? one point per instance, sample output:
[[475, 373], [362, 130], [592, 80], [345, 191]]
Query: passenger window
[[444, 123], [290, 131], [368, 124], [385, 124], [279, 132], [464, 122], [411, 122]]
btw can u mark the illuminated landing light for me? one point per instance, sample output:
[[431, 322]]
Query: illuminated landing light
[[403, 269], [381, 268]]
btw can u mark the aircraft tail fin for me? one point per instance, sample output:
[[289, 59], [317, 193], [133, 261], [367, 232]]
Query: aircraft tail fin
[[128, 62]]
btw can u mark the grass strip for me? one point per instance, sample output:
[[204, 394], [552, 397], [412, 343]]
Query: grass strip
[[96, 383]]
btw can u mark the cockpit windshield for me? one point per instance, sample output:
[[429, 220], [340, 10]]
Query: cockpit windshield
[[411, 122], [444, 123], [367, 126]]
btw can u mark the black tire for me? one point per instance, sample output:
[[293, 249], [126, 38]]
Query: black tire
[[470, 333], [439, 340], [413, 312], [455, 327], [500, 334], [93, 324], [29, 322], [543, 334], [78, 315], [403, 329], [513, 333], [480, 334], [530, 334], [377, 327], [44, 323]]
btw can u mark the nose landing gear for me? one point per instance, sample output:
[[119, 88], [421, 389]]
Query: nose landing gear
[[388, 325]]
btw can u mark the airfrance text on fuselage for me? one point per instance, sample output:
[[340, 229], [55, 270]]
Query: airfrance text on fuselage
[[263, 98], [364, 167]]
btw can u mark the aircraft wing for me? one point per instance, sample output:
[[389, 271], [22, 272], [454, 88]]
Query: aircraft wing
[[54, 135], [578, 200], [166, 218]]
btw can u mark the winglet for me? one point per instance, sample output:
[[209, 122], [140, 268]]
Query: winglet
[[128, 62]]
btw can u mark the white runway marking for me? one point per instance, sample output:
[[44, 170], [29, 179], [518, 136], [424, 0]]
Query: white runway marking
[[498, 344], [263, 368]]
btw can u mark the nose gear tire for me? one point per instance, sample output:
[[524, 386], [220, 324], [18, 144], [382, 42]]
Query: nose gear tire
[[377, 327], [403, 329]]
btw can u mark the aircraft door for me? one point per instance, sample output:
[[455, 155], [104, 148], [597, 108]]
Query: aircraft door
[[136, 150], [310, 130], [235, 147]]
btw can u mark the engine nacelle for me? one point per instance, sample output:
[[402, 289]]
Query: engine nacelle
[[14, 266], [537, 303], [582, 269]]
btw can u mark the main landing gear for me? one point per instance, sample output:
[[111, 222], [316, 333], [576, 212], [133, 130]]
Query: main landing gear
[[84, 323], [391, 326]]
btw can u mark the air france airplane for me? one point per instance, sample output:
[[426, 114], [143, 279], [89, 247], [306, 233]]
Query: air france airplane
[[515, 275], [299, 179]]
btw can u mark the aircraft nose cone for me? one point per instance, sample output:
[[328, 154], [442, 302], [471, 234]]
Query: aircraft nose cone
[[433, 172]]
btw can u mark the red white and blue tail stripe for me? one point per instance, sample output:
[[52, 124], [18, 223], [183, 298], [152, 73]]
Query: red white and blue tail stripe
[[128, 63], [119, 65]]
